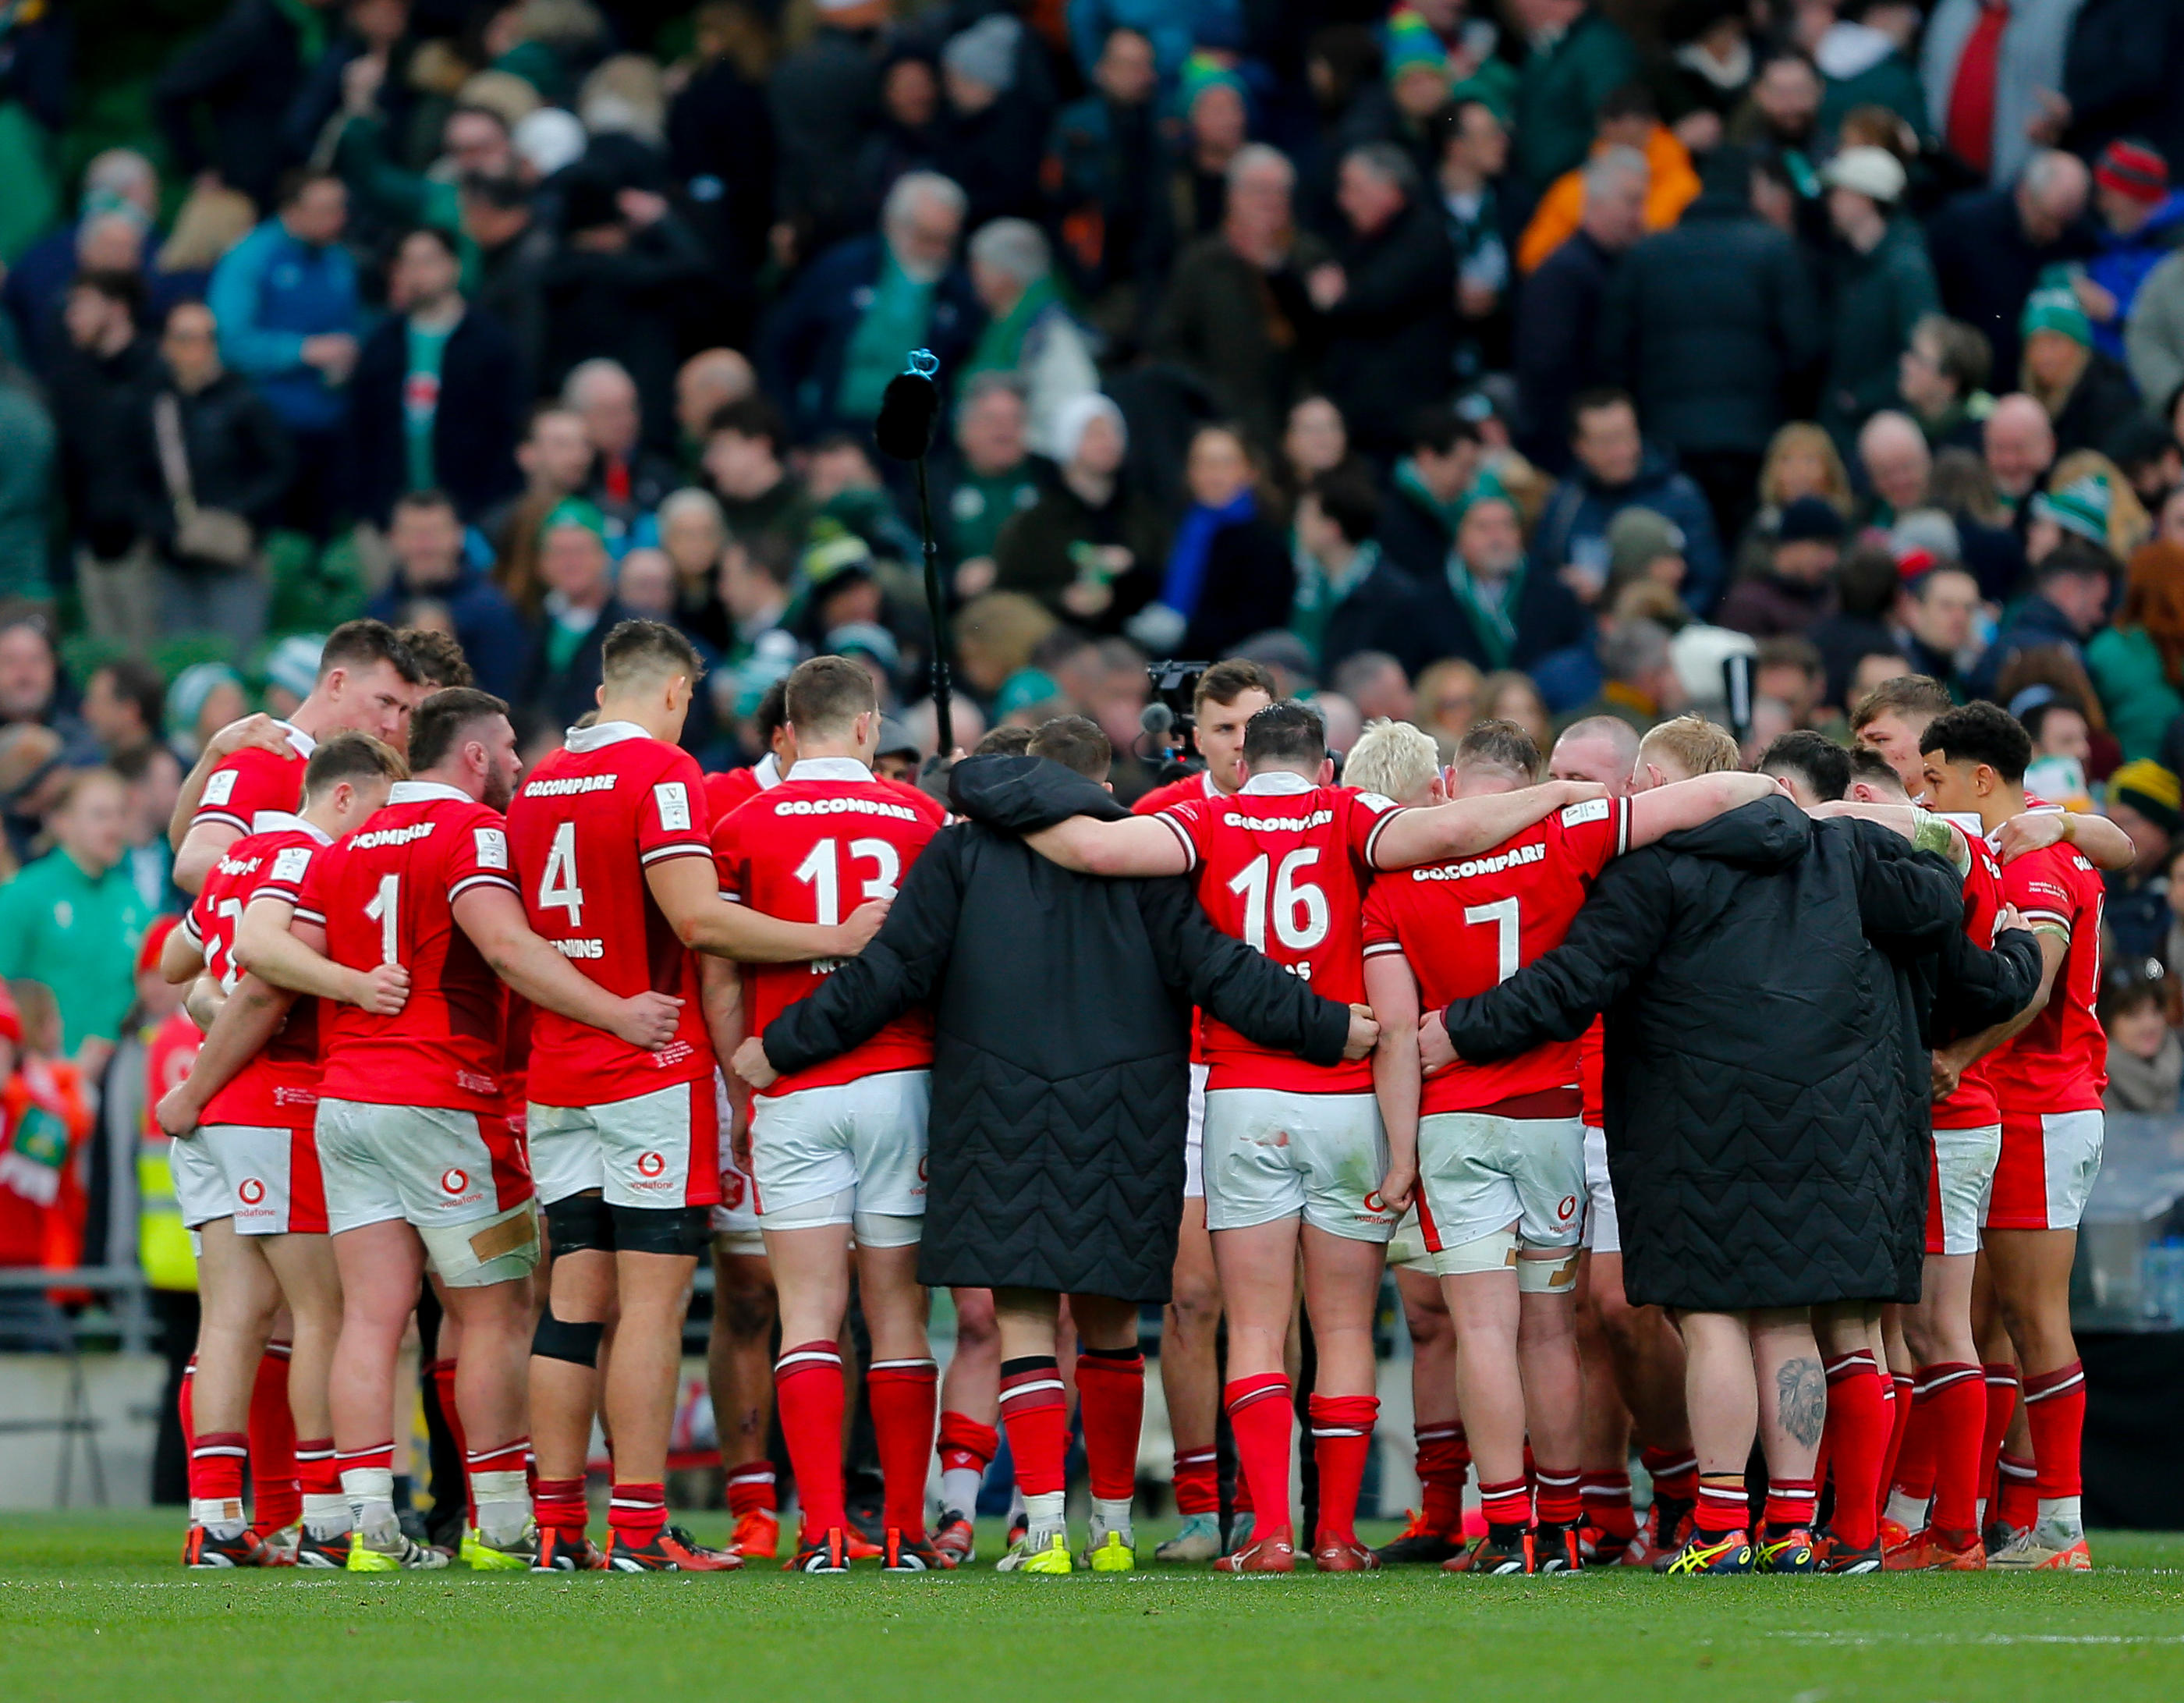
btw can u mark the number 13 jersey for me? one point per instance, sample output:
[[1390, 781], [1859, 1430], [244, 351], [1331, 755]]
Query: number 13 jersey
[[811, 850], [585, 826], [1282, 866]]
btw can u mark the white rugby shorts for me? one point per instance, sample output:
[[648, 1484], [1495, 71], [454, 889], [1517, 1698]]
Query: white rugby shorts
[[636, 1151], [1194, 1136], [1273, 1154], [864, 1141], [1478, 1173], [734, 1218], [1603, 1230], [1958, 1187], [459, 1177]]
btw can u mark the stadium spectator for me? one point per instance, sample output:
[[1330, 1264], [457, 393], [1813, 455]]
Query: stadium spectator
[[1236, 313], [1030, 334], [1628, 118], [1882, 285], [1384, 298], [1492, 606], [705, 384], [1936, 617], [560, 677], [1993, 77], [2145, 1059], [1229, 574], [2137, 664], [1348, 597], [1941, 378], [284, 299], [2137, 215], [2018, 444], [1989, 247], [1468, 175], [989, 479], [2124, 58], [2087, 394], [1861, 53], [2071, 588], [1709, 324], [115, 180], [1102, 159], [98, 375], [498, 220], [1575, 58], [1781, 109], [1614, 469], [437, 401], [843, 330], [630, 478], [425, 536], [221, 463], [1092, 547], [818, 95], [1898, 465], [1429, 491], [124, 705], [1557, 352], [28, 446], [994, 126], [746, 445], [243, 76], [1799, 585], [73, 919], [1216, 127]]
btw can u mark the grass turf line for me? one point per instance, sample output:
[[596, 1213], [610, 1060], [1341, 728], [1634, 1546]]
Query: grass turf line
[[94, 1607]]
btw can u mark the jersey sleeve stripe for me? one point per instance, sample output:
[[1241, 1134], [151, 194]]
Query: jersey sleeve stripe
[[226, 818], [469, 881], [1190, 848], [680, 849], [190, 928], [1383, 948], [287, 896], [304, 915], [1373, 838], [1622, 808], [2055, 920]]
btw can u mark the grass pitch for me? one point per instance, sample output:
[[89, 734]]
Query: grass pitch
[[93, 1607]]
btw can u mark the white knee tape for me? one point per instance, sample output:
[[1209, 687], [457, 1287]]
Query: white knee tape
[[1494, 1252], [887, 1230], [1555, 1274]]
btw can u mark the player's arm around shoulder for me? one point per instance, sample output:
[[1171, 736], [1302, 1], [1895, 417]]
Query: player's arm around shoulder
[[1692, 803], [1465, 826], [1138, 846]]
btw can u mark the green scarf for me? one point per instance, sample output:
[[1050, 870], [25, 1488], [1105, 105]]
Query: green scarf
[[895, 324], [1318, 592], [1001, 346], [1412, 484], [1494, 619], [310, 24]]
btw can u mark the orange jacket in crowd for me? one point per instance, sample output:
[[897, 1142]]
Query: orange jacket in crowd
[[1671, 186]]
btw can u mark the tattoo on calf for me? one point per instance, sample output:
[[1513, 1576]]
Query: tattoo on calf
[[1800, 1392]]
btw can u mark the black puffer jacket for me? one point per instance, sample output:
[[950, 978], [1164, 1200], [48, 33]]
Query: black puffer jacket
[[1764, 1082], [1061, 1019]]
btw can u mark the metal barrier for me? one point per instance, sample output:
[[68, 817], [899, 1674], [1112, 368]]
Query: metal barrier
[[127, 1320]]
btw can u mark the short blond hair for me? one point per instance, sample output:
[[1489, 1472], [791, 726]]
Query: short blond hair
[[1693, 745], [1392, 758]]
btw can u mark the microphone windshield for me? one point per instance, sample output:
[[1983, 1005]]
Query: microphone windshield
[[1156, 718], [909, 411]]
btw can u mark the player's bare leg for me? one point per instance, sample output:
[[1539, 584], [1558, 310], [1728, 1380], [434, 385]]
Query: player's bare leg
[[1553, 1381], [1436, 1529], [2032, 1289], [310, 1284], [492, 1398], [566, 1349], [1792, 1389], [739, 1369], [970, 1416], [382, 1267], [1341, 1294], [239, 1299], [1257, 1267], [1190, 1383], [1746, 1374], [1857, 1428], [1033, 1326], [1648, 1357]]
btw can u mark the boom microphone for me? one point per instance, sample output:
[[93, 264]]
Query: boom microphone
[[910, 411], [1156, 720]]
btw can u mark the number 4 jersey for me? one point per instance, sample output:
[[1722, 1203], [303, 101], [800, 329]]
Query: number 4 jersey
[[585, 826], [811, 850], [1469, 924], [387, 894], [1283, 867]]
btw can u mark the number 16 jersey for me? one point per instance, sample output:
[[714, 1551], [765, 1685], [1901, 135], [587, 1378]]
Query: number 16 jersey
[[1282, 866], [811, 850]]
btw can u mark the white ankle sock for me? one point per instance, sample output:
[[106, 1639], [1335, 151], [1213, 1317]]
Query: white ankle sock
[[1907, 1512], [1114, 1516], [370, 1492], [504, 1505], [1043, 1512], [2063, 1511], [326, 1515], [959, 1490]]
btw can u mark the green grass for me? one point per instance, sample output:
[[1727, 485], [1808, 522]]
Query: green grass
[[93, 1607]]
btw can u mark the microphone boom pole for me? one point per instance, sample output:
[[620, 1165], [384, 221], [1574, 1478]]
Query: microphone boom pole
[[909, 412]]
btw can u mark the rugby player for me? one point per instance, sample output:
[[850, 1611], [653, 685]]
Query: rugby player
[[246, 1164], [1226, 697], [367, 682], [1295, 1156], [2047, 1081], [418, 1159], [1501, 1148], [838, 1150]]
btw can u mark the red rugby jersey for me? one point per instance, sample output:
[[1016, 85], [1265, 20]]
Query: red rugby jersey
[[252, 780], [1973, 1106], [278, 1089], [2060, 1061], [584, 827], [1283, 867], [387, 894], [828, 839], [1469, 924]]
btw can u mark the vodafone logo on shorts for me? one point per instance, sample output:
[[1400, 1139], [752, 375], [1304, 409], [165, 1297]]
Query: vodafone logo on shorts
[[1567, 1208], [651, 1172], [650, 1165], [250, 1192], [1374, 1203], [454, 1180]]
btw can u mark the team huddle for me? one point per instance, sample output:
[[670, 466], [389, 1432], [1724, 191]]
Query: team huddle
[[516, 1034]]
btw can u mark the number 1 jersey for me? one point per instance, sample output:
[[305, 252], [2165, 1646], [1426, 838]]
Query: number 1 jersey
[[811, 850], [1282, 866], [585, 826]]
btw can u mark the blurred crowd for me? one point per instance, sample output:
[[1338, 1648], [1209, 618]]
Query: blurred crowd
[[1451, 359]]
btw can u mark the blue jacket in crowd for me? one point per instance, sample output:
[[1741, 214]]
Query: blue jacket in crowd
[[269, 294], [1574, 526], [2120, 265]]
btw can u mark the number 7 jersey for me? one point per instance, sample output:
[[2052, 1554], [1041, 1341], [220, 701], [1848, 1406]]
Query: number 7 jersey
[[1282, 866], [811, 850]]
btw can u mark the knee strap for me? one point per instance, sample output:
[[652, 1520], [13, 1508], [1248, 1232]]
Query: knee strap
[[558, 1339], [1553, 1276], [580, 1224], [1494, 1251]]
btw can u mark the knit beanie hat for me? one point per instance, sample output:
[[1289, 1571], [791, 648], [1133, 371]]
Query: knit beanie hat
[[2152, 790], [2080, 507], [1412, 45], [1200, 72], [986, 53], [2134, 169], [2056, 309], [1638, 537]]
